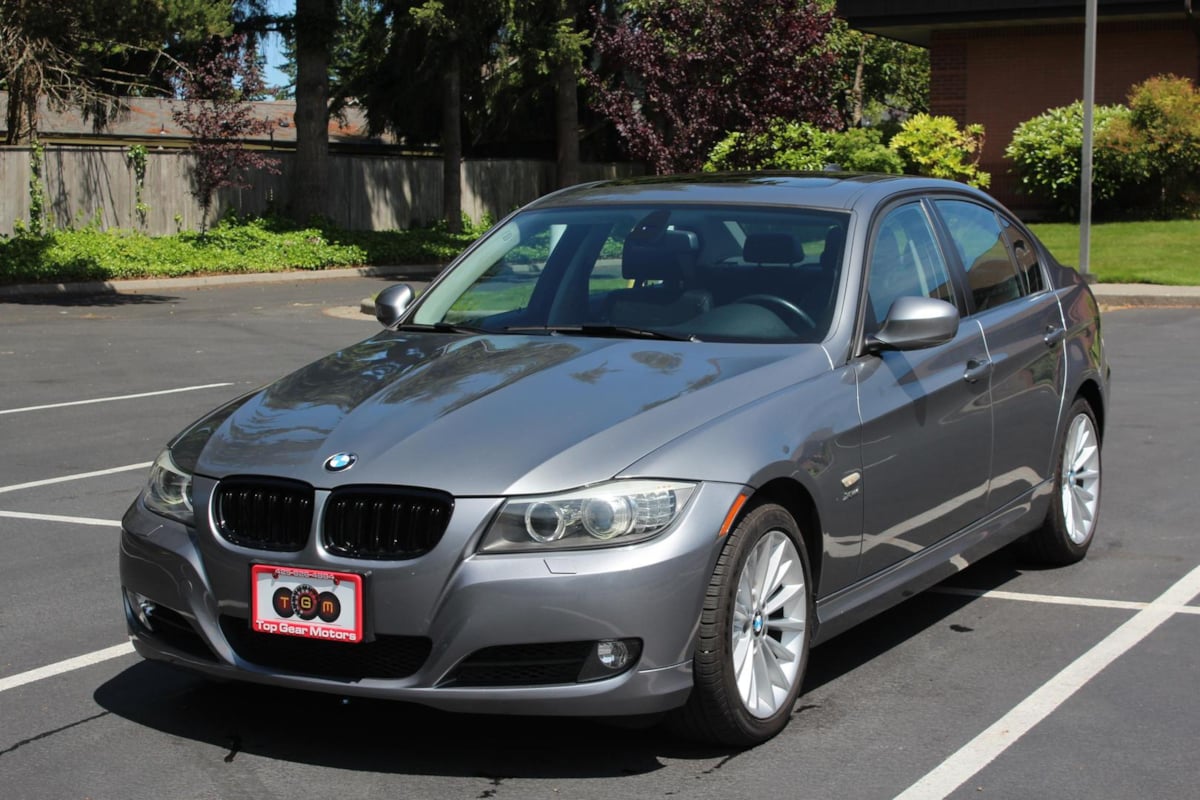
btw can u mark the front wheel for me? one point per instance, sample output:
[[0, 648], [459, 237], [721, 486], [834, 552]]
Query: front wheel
[[1067, 533], [754, 633]]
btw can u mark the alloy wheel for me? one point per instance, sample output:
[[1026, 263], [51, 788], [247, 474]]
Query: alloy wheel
[[1080, 479], [769, 618]]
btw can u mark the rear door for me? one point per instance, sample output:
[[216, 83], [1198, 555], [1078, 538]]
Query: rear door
[[1023, 328]]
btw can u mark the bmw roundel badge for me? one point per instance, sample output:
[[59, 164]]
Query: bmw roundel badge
[[340, 461]]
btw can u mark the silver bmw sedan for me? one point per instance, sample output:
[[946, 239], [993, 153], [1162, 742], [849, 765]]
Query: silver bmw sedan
[[636, 452]]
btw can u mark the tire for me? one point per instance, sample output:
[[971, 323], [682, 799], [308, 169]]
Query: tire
[[753, 646], [1070, 524]]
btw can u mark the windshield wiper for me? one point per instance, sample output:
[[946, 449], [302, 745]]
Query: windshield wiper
[[441, 327], [611, 331]]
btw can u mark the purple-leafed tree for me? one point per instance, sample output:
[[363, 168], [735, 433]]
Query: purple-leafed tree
[[677, 75], [216, 89]]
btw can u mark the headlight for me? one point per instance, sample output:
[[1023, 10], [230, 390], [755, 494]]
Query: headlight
[[169, 490], [620, 512]]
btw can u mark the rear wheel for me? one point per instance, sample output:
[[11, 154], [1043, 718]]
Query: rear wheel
[[1067, 533], [754, 633]]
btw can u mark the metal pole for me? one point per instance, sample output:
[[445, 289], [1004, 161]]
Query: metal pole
[[1089, 100]]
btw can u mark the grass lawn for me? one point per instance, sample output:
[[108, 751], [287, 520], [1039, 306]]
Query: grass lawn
[[1132, 252]]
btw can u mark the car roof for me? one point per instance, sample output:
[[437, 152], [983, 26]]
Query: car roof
[[833, 190]]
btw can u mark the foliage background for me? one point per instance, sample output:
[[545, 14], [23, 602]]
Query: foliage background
[[1146, 155]]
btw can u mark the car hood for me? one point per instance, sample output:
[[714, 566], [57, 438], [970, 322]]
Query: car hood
[[492, 415]]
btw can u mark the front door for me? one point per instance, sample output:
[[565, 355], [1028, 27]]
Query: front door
[[926, 414]]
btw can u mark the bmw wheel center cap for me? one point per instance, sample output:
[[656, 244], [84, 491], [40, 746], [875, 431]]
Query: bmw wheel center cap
[[340, 461]]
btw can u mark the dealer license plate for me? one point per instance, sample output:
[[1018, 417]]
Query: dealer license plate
[[310, 603]]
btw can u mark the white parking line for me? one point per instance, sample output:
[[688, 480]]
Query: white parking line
[[984, 748], [71, 664], [1055, 599], [106, 523], [76, 477], [111, 399]]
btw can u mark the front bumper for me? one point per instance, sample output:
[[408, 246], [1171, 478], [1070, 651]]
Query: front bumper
[[452, 601]]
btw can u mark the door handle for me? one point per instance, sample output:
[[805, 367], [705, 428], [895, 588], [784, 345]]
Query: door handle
[[976, 369], [1054, 335]]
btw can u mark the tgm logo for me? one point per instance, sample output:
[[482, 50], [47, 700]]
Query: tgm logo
[[340, 461], [305, 602]]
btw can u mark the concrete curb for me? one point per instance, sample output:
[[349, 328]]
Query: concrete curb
[[1115, 295], [421, 272]]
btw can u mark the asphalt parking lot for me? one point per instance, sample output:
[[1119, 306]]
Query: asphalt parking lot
[[1005, 682]]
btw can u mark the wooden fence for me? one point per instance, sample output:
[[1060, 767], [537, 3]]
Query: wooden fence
[[96, 185]]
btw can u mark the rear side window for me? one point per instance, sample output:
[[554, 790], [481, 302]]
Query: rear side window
[[1026, 256], [992, 277]]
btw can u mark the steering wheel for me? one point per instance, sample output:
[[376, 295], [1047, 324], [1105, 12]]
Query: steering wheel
[[791, 312]]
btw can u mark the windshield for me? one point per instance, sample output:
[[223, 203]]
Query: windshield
[[711, 273]]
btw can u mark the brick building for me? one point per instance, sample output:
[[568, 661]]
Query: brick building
[[1000, 62]]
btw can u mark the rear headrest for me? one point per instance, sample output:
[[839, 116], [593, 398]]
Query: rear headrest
[[835, 240], [666, 258], [772, 248]]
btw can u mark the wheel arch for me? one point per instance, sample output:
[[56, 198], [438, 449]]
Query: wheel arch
[[1089, 390], [795, 498]]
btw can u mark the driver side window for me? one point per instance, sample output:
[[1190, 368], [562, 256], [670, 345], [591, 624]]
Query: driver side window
[[905, 262]]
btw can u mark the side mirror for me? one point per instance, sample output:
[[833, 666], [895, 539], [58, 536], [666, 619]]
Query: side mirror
[[392, 302], [914, 323]]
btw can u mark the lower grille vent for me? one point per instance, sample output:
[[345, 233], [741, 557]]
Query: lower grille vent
[[522, 665], [386, 657], [174, 630]]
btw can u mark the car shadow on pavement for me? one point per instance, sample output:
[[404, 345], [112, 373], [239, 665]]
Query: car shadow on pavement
[[871, 639], [402, 738], [98, 299], [383, 736]]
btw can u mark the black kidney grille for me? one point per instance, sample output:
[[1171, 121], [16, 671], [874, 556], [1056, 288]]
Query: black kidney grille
[[386, 657], [385, 523], [264, 513]]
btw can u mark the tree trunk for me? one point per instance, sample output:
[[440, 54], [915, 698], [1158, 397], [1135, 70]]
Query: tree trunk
[[856, 113], [22, 112], [315, 23], [452, 144], [566, 111]]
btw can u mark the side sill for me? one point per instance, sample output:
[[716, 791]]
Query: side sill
[[870, 596]]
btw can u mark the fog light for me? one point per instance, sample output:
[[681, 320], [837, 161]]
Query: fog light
[[140, 607], [610, 657], [614, 654]]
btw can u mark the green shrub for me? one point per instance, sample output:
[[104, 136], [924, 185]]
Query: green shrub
[[935, 147], [1048, 153], [863, 150], [1163, 133], [784, 145], [803, 146], [1144, 156], [232, 245]]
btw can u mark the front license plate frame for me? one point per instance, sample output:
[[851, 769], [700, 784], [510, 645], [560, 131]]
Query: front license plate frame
[[318, 604]]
